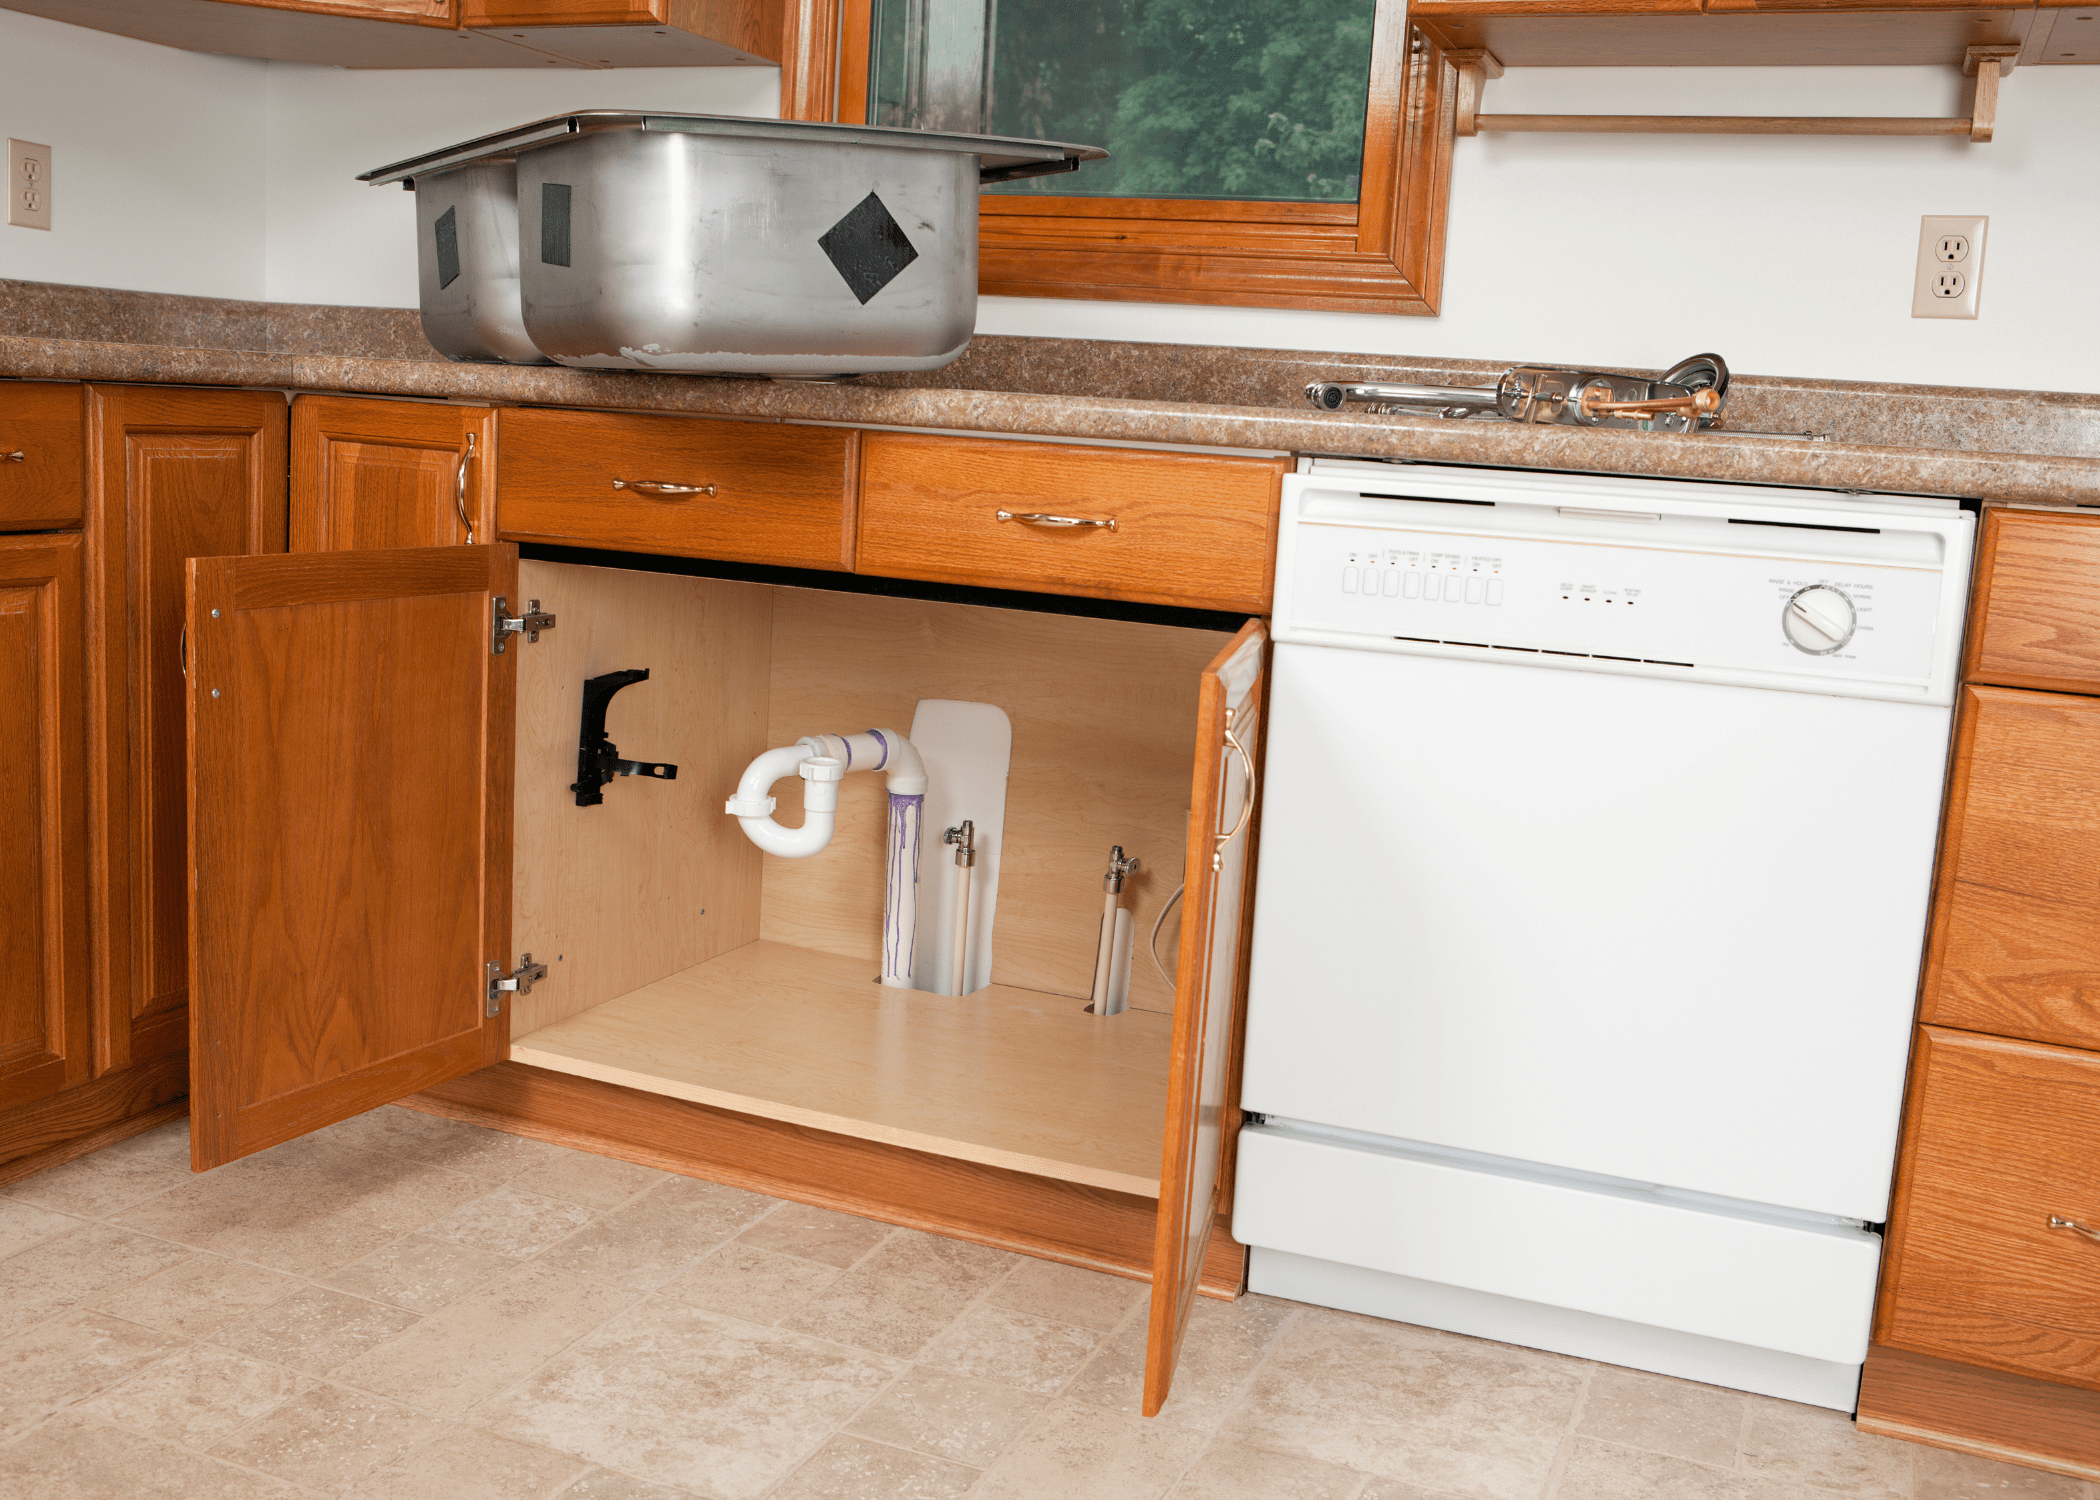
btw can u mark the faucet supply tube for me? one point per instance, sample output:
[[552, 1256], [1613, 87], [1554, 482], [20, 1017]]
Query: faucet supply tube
[[1105, 1001]]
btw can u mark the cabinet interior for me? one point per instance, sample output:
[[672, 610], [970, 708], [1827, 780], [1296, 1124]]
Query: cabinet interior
[[683, 961]]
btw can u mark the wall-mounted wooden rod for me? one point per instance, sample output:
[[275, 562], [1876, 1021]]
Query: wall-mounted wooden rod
[[1987, 65], [1723, 124]]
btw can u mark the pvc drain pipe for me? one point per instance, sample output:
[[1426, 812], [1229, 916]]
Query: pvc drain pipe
[[822, 760]]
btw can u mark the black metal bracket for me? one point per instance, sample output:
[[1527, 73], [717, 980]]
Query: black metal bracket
[[597, 757]]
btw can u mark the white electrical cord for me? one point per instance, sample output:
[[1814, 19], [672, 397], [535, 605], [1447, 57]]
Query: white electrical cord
[[1152, 943]]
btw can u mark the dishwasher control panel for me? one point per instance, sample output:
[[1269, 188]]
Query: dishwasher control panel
[[1788, 597]]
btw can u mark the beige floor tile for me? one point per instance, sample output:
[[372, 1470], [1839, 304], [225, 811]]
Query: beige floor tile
[[421, 1274], [1605, 1471], [850, 1468], [202, 1293], [314, 1330], [673, 1224], [909, 1252], [474, 1346], [1814, 1446], [689, 1398], [466, 1464], [1941, 1475], [1070, 1294], [510, 1222], [330, 1438], [491, 1155], [818, 1234], [99, 1183], [1077, 1452], [948, 1416], [904, 1294], [25, 1224], [743, 1282], [1400, 1489], [1677, 1417], [412, 1196], [71, 1458], [70, 1357], [168, 1144], [296, 1213], [76, 1269], [198, 1395], [1233, 1471], [1401, 1402], [594, 1181], [1224, 1342], [603, 1484], [1013, 1348]]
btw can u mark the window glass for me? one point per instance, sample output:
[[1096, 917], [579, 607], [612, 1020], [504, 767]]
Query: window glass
[[1253, 99]]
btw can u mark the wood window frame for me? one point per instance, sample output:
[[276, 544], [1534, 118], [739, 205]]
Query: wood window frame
[[1381, 254]]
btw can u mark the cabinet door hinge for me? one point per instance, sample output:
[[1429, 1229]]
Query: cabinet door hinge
[[528, 974], [529, 624]]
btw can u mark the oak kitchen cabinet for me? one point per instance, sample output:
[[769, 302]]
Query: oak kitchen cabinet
[[1987, 1335], [389, 473], [702, 1008], [106, 491]]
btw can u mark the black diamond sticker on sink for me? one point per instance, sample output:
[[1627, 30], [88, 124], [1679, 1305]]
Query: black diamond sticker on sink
[[868, 247]]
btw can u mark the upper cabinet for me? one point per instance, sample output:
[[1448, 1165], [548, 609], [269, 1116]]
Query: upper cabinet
[[448, 33]]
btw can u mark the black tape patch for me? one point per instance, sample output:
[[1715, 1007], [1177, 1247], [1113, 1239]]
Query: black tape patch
[[554, 223], [448, 247], [868, 248]]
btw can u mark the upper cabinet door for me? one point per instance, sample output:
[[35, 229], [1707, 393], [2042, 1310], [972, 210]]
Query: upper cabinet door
[[43, 821], [350, 826], [174, 474], [1202, 1083], [390, 474]]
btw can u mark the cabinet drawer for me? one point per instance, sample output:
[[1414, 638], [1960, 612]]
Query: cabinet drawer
[[46, 487], [2003, 1136], [778, 493], [1189, 528], [2037, 618], [2016, 933]]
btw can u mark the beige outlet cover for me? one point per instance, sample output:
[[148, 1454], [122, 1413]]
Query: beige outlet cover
[[1949, 276], [28, 185]]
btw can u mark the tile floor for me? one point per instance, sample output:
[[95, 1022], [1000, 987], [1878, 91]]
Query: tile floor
[[408, 1308]]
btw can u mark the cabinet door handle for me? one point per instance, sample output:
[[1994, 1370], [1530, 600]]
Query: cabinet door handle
[[1232, 743], [459, 491], [2058, 1221], [16, 457], [1039, 518], [662, 489]]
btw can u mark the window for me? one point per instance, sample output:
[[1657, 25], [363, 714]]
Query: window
[[1197, 210]]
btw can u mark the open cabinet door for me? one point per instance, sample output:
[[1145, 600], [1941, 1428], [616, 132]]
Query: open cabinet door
[[350, 823], [1207, 998]]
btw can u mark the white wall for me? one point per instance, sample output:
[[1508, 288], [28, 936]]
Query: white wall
[[156, 167], [333, 239], [1788, 255]]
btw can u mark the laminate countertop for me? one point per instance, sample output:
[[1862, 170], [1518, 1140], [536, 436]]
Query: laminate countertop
[[2032, 447]]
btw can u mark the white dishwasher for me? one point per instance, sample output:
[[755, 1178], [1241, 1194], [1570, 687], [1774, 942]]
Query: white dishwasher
[[1596, 848]]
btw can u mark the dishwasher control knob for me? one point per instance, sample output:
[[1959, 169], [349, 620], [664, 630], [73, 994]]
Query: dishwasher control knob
[[1819, 619]]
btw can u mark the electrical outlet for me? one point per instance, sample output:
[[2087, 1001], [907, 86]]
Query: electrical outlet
[[28, 185], [1950, 266]]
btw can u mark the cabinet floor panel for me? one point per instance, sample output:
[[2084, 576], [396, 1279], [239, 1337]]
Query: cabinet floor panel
[[1006, 1077]]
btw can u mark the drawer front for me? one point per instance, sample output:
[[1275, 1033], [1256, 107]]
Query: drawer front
[[43, 456], [1191, 529], [2003, 1136], [2016, 933], [2037, 620], [641, 484]]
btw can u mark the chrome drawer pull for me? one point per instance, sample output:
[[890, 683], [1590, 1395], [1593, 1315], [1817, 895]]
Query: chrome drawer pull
[[662, 489], [1038, 518], [16, 457], [2058, 1221]]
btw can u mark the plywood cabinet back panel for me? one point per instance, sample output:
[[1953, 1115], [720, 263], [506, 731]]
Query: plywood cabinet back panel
[[1101, 711], [2003, 1137], [2037, 613], [43, 474], [655, 878], [2016, 933]]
